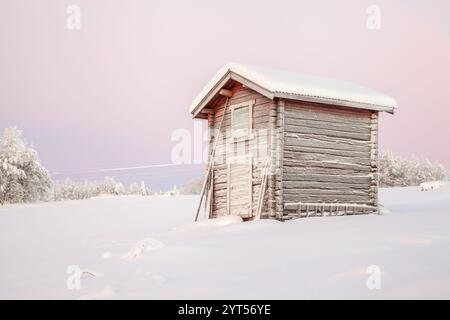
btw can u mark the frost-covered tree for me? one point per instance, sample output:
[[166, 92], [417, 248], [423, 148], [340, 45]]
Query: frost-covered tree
[[107, 186], [22, 176], [192, 187], [119, 189], [134, 188], [69, 190], [396, 171], [143, 188], [65, 190]]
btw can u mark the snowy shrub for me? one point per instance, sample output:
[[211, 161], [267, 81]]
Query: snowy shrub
[[69, 190], [396, 171], [192, 187], [142, 190], [119, 189], [107, 186], [134, 189], [432, 185], [22, 176]]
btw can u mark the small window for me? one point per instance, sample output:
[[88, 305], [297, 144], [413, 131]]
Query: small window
[[241, 120]]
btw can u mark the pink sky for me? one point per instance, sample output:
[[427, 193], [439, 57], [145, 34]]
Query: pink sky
[[110, 94]]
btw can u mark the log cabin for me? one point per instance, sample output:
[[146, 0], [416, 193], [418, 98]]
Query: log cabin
[[284, 145]]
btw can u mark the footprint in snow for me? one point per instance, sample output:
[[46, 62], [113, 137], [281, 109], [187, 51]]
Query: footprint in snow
[[142, 247]]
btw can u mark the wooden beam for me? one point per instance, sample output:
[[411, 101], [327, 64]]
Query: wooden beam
[[226, 93], [280, 153], [273, 154]]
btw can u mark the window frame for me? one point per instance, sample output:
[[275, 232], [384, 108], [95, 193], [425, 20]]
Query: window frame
[[249, 135]]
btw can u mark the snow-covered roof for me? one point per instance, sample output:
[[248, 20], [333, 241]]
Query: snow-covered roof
[[290, 85]]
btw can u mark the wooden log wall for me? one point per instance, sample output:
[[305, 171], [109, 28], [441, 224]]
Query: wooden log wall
[[258, 146], [329, 154]]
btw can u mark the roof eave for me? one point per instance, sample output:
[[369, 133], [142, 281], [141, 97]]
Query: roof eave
[[271, 95], [334, 102], [210, 94], [233, 76]]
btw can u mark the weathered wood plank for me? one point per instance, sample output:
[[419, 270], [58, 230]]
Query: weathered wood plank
[[321, 197], [363, 187], [328, 125], [324, 138], [327, 178], [328, 133], [325, 112], [301, 155], [325, 166], [316, 143]]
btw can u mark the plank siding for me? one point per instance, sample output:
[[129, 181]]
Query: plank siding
[[329, 154]]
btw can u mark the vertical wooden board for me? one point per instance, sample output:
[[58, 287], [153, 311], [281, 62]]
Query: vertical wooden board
[[273, 155], [374, 164], [280, 153]]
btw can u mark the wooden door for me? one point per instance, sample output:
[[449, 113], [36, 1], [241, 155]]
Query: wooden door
[[239, 179], [240, 188]]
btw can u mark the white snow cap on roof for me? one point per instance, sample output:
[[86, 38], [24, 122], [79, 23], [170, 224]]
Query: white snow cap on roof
[[282, 83]]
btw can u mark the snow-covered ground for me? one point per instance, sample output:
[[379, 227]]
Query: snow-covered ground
[[147, 247]]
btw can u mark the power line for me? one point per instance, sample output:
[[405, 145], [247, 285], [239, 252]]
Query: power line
[[135, 175], [81, 171], [141, 167]]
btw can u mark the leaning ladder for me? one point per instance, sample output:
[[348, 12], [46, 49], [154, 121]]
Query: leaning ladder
[[210, 164], [262, 190]]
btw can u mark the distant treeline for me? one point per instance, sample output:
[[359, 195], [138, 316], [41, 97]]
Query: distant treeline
[[69, 190]]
